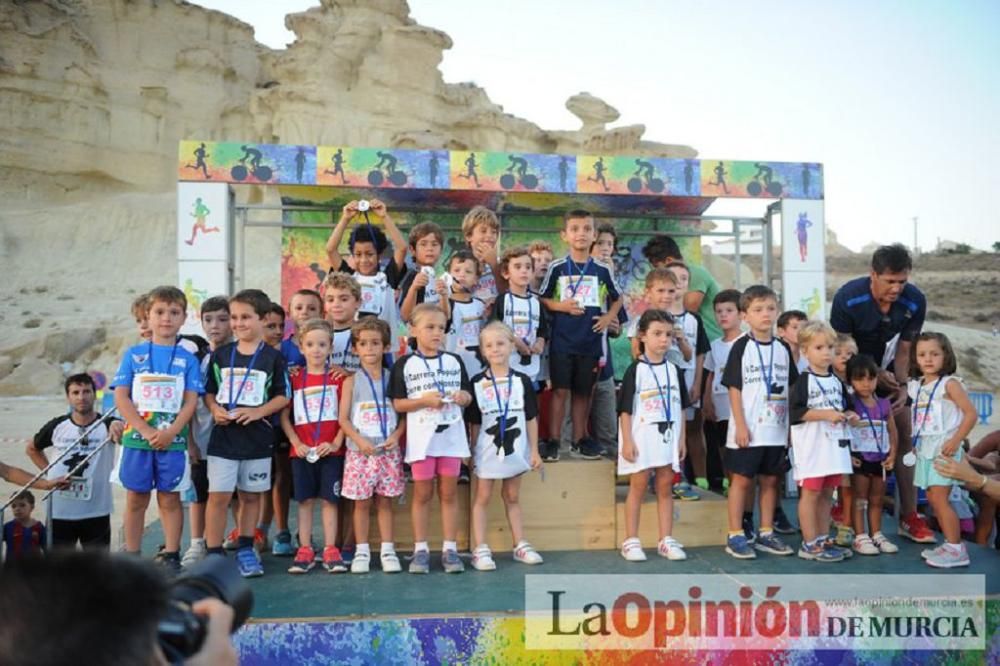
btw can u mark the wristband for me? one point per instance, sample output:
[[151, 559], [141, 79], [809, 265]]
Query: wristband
[[982, 485]]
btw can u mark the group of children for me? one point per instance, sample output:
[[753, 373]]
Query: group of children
[[251, 418]]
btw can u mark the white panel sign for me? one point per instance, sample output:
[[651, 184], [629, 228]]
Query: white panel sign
[[203, 221], [200, 280], [803, 275]]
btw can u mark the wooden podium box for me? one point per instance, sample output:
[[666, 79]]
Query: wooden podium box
[[700, 523], [402, 526], [572, 509]]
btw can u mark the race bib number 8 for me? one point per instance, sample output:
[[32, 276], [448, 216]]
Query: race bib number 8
[[253, 390]]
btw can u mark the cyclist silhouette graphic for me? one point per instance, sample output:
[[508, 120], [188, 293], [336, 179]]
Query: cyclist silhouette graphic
[[199, 214], [517, 163], [300, 163], [563, 172], [645, 176], [520, 166], [470, 165], [251, 154], [199, 156], [259, 171], [387, 160], [598, 176], [720, 177], [338, 166], [765, 173]]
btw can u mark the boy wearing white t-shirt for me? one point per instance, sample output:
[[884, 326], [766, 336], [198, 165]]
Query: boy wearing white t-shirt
[[716, 407]]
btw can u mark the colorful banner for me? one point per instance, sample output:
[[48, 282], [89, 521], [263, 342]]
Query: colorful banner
[[638, 175], [496, 171], [250, 163], [765, 180], [342, 166], [512, 172]]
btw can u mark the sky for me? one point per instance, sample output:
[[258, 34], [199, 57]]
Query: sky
[[898, 99]]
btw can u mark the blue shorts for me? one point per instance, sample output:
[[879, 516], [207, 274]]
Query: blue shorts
[[142, 470], [319, 479]]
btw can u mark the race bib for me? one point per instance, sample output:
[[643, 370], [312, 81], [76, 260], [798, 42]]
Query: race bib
[[928, 421], [158, 393], [586, 290], [468, 332], [450, 413], [836, 432], [80, 489], [366, 419], [486, 289], [490, 397], [866, 438], [372, 297], [522, 328], [775, 412], [253, 391], [651, 407], [311, 406]]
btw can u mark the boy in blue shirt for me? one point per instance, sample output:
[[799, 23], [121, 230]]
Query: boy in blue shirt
[[583, 300], [156, 390]]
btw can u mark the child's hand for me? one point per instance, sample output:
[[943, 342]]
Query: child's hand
[[461, 398], [696, 394], [538, 347], [378, 207], [336, 372], [391, 443], [441, 286], [601, 323], [708, 410], [294, 370], [115, 431], [219, 415], [629, 451], [325, 449], [161, 439], [247, 415], [53, 484], [432, 400], [833, 416], [852, 417], [570, 307], [522, 348], [615, 327], [349, 210], [365, 446], [682, 450], [301, 450], [536, 460], [742, 436], [420, 280], [194, 454], [949, 448], [890, 461], [485, 252]]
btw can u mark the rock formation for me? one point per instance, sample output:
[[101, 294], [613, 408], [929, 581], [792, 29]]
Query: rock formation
[[95, 95]]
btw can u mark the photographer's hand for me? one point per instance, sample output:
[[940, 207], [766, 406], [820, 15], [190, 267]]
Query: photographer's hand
[[217, 650]]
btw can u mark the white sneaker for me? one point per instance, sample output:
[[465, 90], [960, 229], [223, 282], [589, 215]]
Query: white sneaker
[[883, 544], [390, 562], [195, 553], [949, 557], [632, 550], [361, 563], [671, 549], [927, 553], [482, 559], [526, 554], [864, 545]]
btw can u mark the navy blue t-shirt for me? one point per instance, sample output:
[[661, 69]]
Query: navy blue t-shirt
[[591, 281], [855, 312]]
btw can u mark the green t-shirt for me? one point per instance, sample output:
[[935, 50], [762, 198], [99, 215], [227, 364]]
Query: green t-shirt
[[702, 280]]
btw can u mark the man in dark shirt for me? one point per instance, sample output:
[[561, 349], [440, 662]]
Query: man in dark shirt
[[884, 313]]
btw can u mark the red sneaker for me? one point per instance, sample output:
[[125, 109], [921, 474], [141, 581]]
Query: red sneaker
[[913, 527], [259, 540], [232, 540], [837, 514], [333, 561]]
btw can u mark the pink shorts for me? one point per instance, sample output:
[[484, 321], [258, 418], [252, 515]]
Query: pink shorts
[[380, 475], [431, 466], [821, 482]]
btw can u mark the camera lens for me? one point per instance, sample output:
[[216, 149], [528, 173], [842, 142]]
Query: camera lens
[[216, 577]]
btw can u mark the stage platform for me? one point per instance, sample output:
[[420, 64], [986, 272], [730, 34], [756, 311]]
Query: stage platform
[[439, 618]]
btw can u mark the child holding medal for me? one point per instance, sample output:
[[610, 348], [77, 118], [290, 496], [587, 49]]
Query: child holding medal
[[651, 433], [374, 462], [246, 384], [503, 420], [873, 454], [431, 387], [312, 425], [943, 416], [156, 391]]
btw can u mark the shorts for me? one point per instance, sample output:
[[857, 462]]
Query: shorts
[[573, 371], [818, 483], [249, 476], [380, 474], [754, 460], [145, 470], [319, 479], [90, 532], [925, 476], [199, 481], [432, 466], [867, 467]]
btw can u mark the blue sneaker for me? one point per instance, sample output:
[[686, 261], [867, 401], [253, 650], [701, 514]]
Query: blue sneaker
[[248, 563], [740, 548], [749, 531], [769, 543], [684, 493], [817, 553], [421, 562], [282, 546]]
